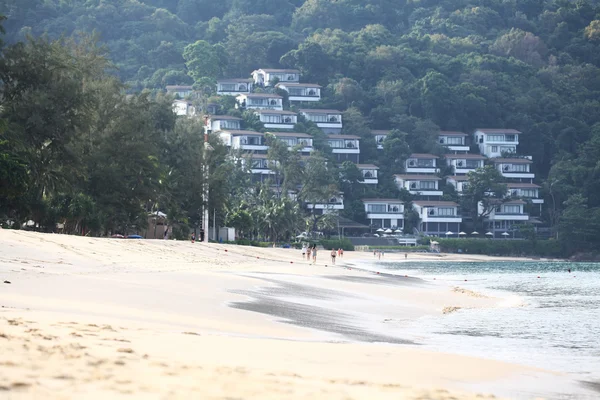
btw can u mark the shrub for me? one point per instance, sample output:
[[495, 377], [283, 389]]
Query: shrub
[[517, 248], [344, 244]]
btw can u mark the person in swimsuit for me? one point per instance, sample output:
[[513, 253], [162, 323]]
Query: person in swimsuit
[[333, 254]]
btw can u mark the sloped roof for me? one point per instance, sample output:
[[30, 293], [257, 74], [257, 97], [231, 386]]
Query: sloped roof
[[237, 80], [312, 85], [178, 87], [224, 117], [410, 177], [459, 178], [275, 112], [343, 137], [236, 132], [498, 130], [422, 155], [289, 71], [465, 156], [382, 200], [291, 134], [319, 111], [452, 133], [523, 186], [367, 166], [380, 132], [428, 203], [512, 160], [269, 95]]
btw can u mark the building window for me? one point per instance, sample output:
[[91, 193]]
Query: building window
[[495, 138], [473, 164], [446, 211], [317, 117], [454, 140], [494, 149], [508, 209], [425, 185], [394, 208], [376, 208], [336, 144], [296, 92], [531, 193], [511, 138], [228, 87]]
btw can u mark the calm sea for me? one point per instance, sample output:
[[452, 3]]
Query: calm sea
[[547, 317]]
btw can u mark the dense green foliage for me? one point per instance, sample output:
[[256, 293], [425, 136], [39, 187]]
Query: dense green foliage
[[412, 66]]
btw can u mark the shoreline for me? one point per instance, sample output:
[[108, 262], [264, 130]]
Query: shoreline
[[183, 297]]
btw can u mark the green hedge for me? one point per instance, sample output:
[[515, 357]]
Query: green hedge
[[248, 242], [345, 244], [499, 247], [406, 249]]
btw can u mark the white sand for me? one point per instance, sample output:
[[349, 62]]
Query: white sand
[[98, 318]]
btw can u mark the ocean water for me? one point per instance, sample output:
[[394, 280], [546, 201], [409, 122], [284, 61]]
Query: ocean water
[[546, 317]]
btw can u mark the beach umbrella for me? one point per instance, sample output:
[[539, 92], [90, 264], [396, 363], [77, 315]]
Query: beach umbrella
[[397, 231], [388, 231], [489, 234], [461, 233], [379, 230], [475, 233], [505, 234], [449, 233]]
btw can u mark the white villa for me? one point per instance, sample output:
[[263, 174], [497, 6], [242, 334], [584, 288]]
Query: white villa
[[421, 185], [330, 121], [335, 203], [345, 147], [437, 217], [454, 141], [233, 87], [218, 123], [526, 191], [184, 108], [515, 168], [260, 167], [380, 136], [422, 164], [180, 91], [276, 119], [369, 173], [505, 216], [246, 140], [496, 142], [385, 213], [300, 92], [293, 139], [459, 182], [465, 163], [260, 101], [264, 76]]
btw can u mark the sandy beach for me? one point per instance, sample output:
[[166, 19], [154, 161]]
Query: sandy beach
[[94, 317]]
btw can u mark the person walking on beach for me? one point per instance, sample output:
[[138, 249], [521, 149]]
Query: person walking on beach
[[333, 254], [193, 237], [303, 251], [308, 253], [341, 253], [314, 254], [405, 256]]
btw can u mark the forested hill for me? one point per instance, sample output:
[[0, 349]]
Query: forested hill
[[531, 65]]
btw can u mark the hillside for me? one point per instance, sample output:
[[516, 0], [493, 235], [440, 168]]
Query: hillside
[[414, 66]]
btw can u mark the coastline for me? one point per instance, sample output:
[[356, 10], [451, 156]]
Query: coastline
[[223, 321]]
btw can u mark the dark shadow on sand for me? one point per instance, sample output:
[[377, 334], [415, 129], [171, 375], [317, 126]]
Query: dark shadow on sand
[[265, 301]]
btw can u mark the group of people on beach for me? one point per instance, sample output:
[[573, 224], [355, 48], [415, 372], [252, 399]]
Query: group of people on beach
[[378, 254], [311, 251]]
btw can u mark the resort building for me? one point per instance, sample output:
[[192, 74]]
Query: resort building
[[419, 185], [380, 137], [465, 163], [335, 203], [184, 108], [525, 191], [497, 142], [345, 147], [454, 141], [385, 213], [276, 119], [422, 164], [218, 123], [330, 121], [260, 101], [294, 139], [250, 141], [301, 92], [265, 76], [180, 91], [436, 218], [517, 169], [369, 173], [233, 87], [505, 217], [259, 167], [459, 182]]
